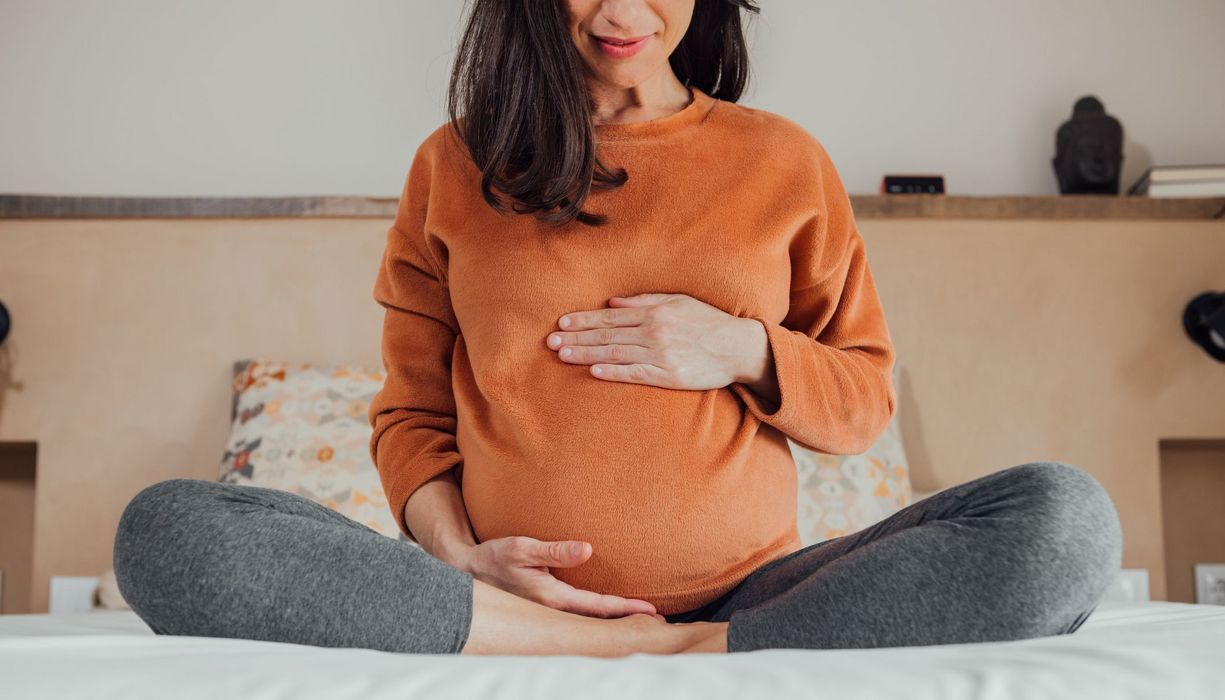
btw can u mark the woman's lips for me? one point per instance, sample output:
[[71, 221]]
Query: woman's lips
[[621, 49]]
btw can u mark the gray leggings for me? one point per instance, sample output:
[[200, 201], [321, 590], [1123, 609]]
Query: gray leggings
[[1024, 552]]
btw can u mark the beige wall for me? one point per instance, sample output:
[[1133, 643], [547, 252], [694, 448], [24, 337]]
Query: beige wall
[[304, 97], [1018, 341]]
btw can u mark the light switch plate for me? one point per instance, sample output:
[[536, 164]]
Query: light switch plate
[[1210, 584], [72, 594], [1130, 585]]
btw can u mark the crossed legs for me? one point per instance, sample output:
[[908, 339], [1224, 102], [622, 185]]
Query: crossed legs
[[1024, 552]]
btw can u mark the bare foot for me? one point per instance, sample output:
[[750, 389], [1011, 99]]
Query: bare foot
[[648, 634], [709, 638], [504, 623]]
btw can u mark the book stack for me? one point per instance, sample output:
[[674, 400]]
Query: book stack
[[1181, 181]]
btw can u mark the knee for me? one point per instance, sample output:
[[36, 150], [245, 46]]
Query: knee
[[147, 534], [155, 505], [1074, 519], [1070, 498]]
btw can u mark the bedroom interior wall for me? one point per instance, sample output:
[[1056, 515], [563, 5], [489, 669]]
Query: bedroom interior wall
[[1018, 341], [271, 97]]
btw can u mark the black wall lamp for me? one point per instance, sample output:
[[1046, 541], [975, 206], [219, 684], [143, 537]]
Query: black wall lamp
[[6, 322], [1204, 320]]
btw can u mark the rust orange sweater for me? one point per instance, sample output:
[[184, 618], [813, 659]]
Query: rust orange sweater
[[682, 493]]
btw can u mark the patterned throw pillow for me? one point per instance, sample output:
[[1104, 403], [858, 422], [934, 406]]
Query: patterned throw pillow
[[303, 428], [841, 494]]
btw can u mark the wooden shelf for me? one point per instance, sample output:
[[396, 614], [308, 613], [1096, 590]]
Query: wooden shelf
[[30, 206], [921, 206], [894, 206]]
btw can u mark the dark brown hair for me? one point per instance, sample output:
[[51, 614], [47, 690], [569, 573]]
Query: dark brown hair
[[518, 99]]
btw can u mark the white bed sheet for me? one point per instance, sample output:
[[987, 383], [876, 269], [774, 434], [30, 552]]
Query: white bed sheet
[[1160, 650]]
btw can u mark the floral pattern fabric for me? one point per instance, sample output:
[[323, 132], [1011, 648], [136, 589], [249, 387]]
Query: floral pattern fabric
[[303, 428], [841, 494]]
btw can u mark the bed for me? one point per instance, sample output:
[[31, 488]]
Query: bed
[[1124, 650]]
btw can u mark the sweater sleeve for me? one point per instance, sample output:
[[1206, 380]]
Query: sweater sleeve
[[832, 353], [413, 415]]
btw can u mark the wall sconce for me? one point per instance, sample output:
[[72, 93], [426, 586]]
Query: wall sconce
[[6, 322], [1204, 321]]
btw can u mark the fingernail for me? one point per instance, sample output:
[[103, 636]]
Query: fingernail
[[576, 548], [554, 339], [564, 322]]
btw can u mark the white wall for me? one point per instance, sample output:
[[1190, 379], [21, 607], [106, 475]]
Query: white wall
[[288, 97]]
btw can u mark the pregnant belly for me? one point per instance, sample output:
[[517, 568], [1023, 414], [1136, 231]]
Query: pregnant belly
[[678, 491]]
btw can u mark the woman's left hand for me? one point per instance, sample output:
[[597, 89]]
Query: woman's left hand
[[667, 340]]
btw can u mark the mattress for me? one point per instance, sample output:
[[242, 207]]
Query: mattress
[[1124, 650]]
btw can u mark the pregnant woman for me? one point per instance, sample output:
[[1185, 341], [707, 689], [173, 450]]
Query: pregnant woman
[[611, 295]]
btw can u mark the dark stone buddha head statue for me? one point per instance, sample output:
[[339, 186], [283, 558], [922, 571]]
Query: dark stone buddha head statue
[[1089, 150]]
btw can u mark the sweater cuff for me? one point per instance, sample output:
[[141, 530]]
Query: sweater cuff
[[781, 341], [402, 474]]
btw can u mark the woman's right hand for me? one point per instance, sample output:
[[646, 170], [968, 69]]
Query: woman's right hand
[[520, 565]]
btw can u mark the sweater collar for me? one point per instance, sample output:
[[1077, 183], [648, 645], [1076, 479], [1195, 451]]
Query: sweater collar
[[693, 113]]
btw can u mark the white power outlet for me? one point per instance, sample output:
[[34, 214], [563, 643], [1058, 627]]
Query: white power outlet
[[72, 594], [1210, 584], [1130, 585]]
